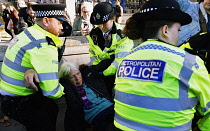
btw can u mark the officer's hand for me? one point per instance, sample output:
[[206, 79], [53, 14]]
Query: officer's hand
[[112, 57], [30, 78]]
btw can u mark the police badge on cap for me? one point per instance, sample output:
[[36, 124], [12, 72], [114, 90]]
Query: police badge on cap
[[51, 10], [102, 12]]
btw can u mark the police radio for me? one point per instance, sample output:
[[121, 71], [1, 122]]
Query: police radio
[[67, 28], [61, 50]]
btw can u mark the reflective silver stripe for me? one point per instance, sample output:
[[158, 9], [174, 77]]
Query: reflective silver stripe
[[15, 66], [53, 92], [29, 35], [142, 127], [185, 75], [111, 50], [48, 76], [12, 81], [115, 63], [121, 54], [157, 47], [4, 93], [21, 52], [206, 108], [182, 103], [105, 50], [165, 104], [93, 58], [92, 52], [102, 59]]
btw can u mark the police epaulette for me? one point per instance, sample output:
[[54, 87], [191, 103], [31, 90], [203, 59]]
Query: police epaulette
[[193, 52], [50, 41]]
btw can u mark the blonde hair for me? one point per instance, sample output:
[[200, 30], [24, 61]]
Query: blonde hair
[[66, 68], [14, 9]]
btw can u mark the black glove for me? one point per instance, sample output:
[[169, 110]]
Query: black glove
[[103, 65], [112, 57]]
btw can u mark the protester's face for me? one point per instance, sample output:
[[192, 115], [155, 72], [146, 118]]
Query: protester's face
[[206, 5], [107, 26], [75, 77], [54, 26], [173, 33], [31, 12]]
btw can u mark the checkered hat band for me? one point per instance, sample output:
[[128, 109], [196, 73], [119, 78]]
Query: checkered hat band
[[49, 13]]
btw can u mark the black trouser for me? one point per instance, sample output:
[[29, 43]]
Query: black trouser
[[8, 31], [104, 121], [109, 81], [36, 112]]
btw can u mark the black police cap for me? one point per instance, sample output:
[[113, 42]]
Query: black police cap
[[163, 10], [51, 10], [102, 12]]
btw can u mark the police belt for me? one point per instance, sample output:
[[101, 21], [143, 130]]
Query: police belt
[[13, 98], [19, 98]]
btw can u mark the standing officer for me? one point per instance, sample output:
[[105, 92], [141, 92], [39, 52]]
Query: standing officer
[[159, 86], [107, 45], [34, 48]]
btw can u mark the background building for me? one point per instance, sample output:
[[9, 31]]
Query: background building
[[129, 6]]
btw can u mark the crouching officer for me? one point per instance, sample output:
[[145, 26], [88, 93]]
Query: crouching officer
[[34, 48], [107, 44]]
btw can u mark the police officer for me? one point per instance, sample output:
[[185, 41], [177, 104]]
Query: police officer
[[107, 45], [34, 48], [159, 86]]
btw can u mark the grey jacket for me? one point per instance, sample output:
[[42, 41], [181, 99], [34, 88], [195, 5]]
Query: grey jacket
[[78, 25]]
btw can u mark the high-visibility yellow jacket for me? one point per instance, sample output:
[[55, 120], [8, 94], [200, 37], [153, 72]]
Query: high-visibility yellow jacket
[[30, 50], [119, 47], [159, 87]]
